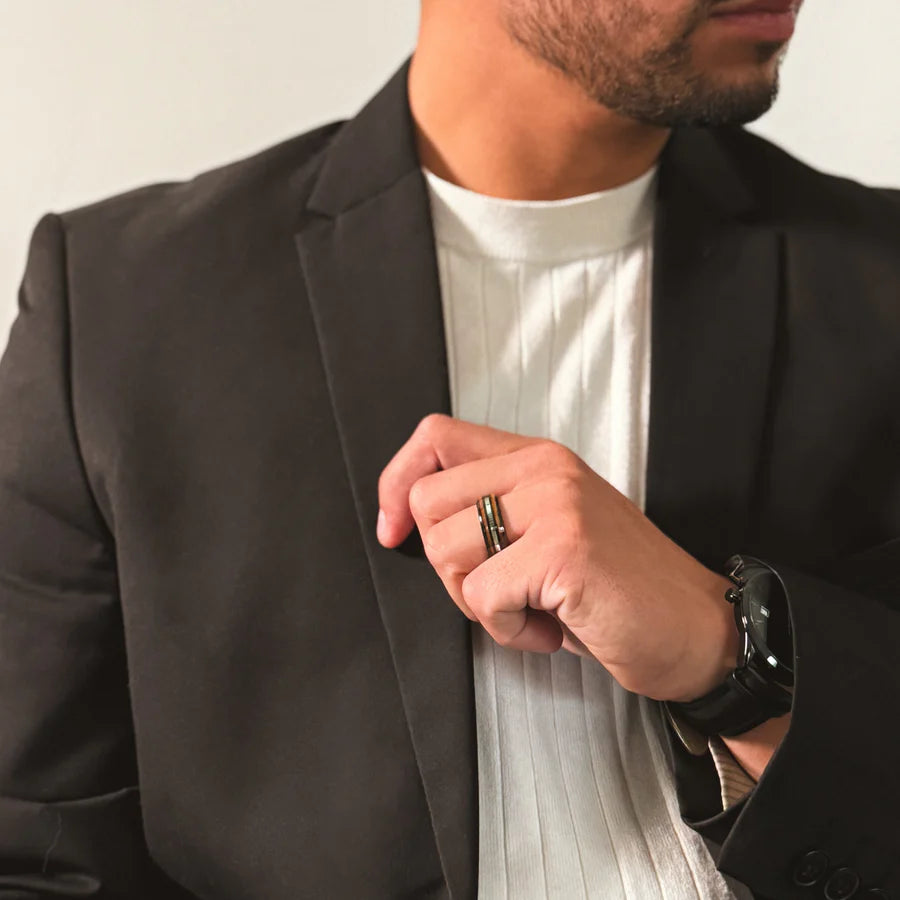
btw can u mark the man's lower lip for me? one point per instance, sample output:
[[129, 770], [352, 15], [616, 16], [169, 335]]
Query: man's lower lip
[[761, 26]]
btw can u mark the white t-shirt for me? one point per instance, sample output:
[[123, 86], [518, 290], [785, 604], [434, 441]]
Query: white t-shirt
[[547, 322]]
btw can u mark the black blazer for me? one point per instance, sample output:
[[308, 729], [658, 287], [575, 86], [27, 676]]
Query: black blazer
[[215, 683]]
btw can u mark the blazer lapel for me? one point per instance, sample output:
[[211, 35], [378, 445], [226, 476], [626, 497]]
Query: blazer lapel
[[714, 318], [368, 257]]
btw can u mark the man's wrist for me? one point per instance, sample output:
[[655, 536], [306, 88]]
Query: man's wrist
[[755, 748], [715, 658]]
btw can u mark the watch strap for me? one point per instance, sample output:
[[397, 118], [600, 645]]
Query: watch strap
[[740, 703]]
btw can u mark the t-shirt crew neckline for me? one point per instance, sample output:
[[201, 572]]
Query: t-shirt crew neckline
[[538, 231]]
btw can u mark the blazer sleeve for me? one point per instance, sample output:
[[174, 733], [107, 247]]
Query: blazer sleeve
[[824, 817], [70, 822]]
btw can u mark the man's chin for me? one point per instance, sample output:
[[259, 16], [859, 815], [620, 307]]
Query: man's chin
[[723, 104]]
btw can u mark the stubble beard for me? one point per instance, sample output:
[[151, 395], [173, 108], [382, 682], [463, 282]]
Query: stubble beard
[[657, 84]]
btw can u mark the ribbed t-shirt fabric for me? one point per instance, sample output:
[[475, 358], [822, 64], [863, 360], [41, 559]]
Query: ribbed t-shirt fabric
[[547, 320]]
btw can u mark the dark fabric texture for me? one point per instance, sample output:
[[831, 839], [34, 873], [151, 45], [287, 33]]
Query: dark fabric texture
[[214, 683]]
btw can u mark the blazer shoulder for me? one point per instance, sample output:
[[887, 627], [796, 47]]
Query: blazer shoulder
[[241, 190], [794, 193]]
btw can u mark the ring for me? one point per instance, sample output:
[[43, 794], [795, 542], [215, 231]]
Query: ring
[[491, 520]]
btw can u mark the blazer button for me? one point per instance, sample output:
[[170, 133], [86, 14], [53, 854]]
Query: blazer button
[[810, 868], [842, 885]]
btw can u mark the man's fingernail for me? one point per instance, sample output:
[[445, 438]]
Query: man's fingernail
[[381, 527]]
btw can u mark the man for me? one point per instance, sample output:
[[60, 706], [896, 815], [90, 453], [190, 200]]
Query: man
[[221, 679]]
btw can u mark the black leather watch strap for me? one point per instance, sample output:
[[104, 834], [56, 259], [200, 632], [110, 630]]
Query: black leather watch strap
[[732, 708]]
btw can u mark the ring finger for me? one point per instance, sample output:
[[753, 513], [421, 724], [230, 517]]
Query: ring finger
[[455, 545]]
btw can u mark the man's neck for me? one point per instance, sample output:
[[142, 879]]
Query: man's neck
[[492, 119]]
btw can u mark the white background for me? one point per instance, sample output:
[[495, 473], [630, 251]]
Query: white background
[[98, 96]]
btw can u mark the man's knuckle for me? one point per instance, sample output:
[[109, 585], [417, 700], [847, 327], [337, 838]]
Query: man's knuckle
[[566, 490], [553, 456], [566, 589], [431, 425], [433, 545], [471, 588], [452, 570], [419, 498], [542, 452], [570, 463], [440, 554]]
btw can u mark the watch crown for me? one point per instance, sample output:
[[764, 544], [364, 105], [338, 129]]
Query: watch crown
[[732, 595]]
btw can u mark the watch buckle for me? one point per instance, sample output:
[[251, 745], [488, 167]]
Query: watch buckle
[[735, 566]]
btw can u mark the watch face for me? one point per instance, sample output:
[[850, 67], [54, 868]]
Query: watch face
[[769, 624]]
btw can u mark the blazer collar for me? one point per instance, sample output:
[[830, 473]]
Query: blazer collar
[[371, 152], [366, 248]]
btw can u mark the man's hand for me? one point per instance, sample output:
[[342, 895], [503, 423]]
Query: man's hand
[[586, 569]]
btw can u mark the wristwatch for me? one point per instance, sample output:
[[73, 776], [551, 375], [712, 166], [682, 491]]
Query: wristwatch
[[761, 685]]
